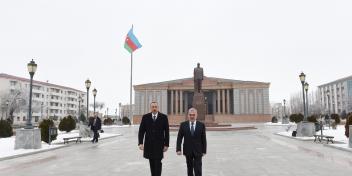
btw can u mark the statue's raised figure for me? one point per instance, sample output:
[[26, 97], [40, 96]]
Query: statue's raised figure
[[198, 78]]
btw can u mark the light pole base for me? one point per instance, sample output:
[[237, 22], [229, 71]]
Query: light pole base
[[285, 120], [305, 129], [350, 138], [28, 139], [84, 131]]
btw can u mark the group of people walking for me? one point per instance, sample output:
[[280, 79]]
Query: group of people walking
[[154, 138]]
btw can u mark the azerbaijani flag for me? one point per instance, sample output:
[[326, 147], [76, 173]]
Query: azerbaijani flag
[[131, 42]]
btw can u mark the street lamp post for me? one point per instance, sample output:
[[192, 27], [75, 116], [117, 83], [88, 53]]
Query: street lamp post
[[7, 107], [328, 95], [88, 83], [41, 110], [32, 67], [120, 104], [94, 95], [79, 106], [306, 86], [302, 77], [285, 108]]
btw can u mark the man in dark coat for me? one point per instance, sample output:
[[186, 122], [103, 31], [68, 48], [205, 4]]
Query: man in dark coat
[[195, 142], [154, 129], [95, 126]]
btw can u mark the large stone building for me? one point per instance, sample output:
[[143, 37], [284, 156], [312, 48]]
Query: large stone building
[[336, 96], [228, 101], [49, 100]]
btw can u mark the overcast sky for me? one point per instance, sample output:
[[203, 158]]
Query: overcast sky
[[256, 40]]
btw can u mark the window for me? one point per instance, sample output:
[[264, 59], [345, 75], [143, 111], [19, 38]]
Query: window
[[24, 118], [13, 83]]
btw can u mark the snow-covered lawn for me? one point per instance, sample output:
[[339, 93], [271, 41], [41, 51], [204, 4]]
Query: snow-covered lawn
[[75, 133], [338, 133], [278, 124], [7, 145], [115, 126]]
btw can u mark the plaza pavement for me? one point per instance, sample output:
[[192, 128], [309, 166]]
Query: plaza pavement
[[250, 152]]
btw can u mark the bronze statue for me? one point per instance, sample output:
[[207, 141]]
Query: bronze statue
[[198, 78]]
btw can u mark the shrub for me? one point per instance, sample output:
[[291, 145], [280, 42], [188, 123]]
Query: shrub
[[108, 121], [67, 124], [274, 120], [82, 118], [126, 121], [336, 117], [312, 118], [5, 129], [347, 125], [296, 118], [44, 130], [343, 114]]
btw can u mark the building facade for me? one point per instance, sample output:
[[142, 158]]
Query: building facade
[[227, 101], [336, 96], [48, 100]]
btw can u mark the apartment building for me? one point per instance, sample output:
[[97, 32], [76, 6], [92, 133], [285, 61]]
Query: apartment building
[[48, 100]]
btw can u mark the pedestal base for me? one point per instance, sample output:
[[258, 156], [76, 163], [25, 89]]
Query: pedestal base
[[285, 120], [199, 104], [305, 129], [28, 139], [84, 131]]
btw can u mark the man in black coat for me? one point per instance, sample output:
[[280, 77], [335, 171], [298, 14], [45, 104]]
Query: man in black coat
[[195, 142], [95, 126], [154, 129]]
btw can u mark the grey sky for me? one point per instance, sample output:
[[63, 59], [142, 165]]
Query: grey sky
[[258, 40]]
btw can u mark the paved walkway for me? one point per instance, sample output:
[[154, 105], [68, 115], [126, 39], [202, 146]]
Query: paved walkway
[[252, 152]]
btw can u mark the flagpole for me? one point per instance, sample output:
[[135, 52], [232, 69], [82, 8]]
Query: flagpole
[[131, 113]]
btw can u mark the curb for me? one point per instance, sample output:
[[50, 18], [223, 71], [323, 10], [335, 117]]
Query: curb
[[296, 138], [83, 141], [339, 148], [49, 149], [31, 153]]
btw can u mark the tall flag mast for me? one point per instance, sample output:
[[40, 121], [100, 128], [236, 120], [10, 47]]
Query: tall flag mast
[[131, 45]]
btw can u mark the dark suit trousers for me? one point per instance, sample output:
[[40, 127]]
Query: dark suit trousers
[[95, 137], [194, 163], [155, 167]]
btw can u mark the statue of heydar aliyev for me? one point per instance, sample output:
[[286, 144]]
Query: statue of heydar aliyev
[[198, 78]]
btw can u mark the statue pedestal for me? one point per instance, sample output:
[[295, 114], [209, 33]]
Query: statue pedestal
[[305, 129], [199, 104], [84, 131], [28, 139]]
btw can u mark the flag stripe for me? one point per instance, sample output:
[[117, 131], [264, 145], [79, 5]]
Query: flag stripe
[[134, 39], [128, 48], [130, 43]]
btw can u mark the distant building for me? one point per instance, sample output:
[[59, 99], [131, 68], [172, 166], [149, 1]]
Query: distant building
[[125, 110], [336, 96], [49, 100], [228, 101]]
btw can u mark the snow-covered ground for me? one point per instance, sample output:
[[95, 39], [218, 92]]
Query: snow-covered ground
[[338, 133], [75, 133], [115, 126], [278, 124], [7, 148], [7, 144]]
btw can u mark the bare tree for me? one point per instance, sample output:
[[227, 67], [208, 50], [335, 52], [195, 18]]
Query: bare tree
[[98, 105], [16, 102]]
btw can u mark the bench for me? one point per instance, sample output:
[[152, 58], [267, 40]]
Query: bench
[[78, 139], [320, 138]]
